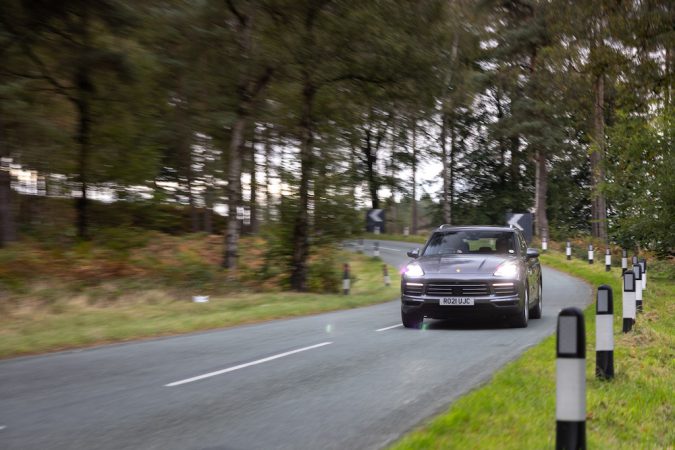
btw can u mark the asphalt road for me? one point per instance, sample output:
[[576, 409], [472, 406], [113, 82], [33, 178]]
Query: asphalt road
[[344, 380]]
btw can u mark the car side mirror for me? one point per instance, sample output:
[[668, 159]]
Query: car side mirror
[[415, 253], [532, 253]]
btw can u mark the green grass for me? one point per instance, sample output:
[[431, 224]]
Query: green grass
[[516, 409], [70, 321]]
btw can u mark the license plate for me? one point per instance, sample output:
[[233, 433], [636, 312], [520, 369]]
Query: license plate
[[456, 301]]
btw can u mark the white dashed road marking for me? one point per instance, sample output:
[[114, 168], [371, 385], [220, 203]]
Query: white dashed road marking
[[242, 366], [389, 328]]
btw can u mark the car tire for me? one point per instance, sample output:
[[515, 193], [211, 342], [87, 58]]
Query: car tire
[[520, 321], [535, 313], [412, 320]]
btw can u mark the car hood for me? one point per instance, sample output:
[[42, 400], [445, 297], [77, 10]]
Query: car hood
[[471, 264]]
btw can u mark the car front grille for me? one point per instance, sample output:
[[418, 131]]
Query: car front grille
[[504, 288], [413, 289], [446, 289]]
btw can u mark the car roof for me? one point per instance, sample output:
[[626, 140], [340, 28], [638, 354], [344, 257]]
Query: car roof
[[476, 228]]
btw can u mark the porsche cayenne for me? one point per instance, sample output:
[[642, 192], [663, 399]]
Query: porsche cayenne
[[472, 271]]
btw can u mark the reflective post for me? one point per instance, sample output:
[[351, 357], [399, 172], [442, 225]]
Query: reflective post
[[570, 408], [376, 229], [604, 335], [590, 253], [634, 260], [346, 281], [376, 248], [643, 269], [568, 250], [608, 260], [624, 260], [628, 300], [638, 287], [385, 273], [544, 244]]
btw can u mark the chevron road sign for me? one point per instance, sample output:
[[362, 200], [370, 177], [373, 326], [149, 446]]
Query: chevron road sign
[[522, 221], [375, 220]]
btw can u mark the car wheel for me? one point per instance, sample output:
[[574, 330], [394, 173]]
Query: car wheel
[[520, 321], [412, 320], [538, 308]]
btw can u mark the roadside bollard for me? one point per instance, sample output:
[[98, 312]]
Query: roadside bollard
[[346, 281], [624, 260], [385, 273], [604, 334], [628, 300], [361, 246], [608, 260], [568, 250], [376, 248], [643, 269], [376, 230], [406, 231], [634, 259], [590, 253], [544, 244], [637, 270], [570, 407]]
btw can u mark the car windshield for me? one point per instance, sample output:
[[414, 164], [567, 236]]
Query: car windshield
[[472, 242]]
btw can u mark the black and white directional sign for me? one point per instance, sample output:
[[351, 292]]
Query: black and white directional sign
[[522, 221], [375, 219]]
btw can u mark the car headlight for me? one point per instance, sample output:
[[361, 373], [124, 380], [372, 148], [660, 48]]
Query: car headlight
[[508, 269], [414, 270]]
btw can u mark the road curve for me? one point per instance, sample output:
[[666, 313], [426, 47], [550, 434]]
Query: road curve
[[347, 379]]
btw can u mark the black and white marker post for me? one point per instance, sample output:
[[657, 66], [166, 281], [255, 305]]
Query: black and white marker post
[[608, 260], [346, 281], [643, 268], [568, 250], [590, 253], [628, 300], [544, 244], [604, 335], [634, 260], [624, 260], [570, 407], [376, 248], [385, 274], [637, 270]]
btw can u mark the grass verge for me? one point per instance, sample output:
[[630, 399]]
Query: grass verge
[[416, 239], [516, 409], [70, 321]]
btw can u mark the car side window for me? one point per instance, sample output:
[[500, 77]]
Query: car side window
[[523, 244]]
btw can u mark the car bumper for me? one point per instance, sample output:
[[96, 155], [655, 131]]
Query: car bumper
[[483, 306]]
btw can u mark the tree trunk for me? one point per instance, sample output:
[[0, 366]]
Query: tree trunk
[[451, 180], [7, 231], [85, 88], [208, 210], [540, 191], [598, 204], [194, 213], [233, 190], [83, 140], [301, 229], [445, 170], [413, 226], [253, 204], [268, 171], [371, 161], [6, 213]]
